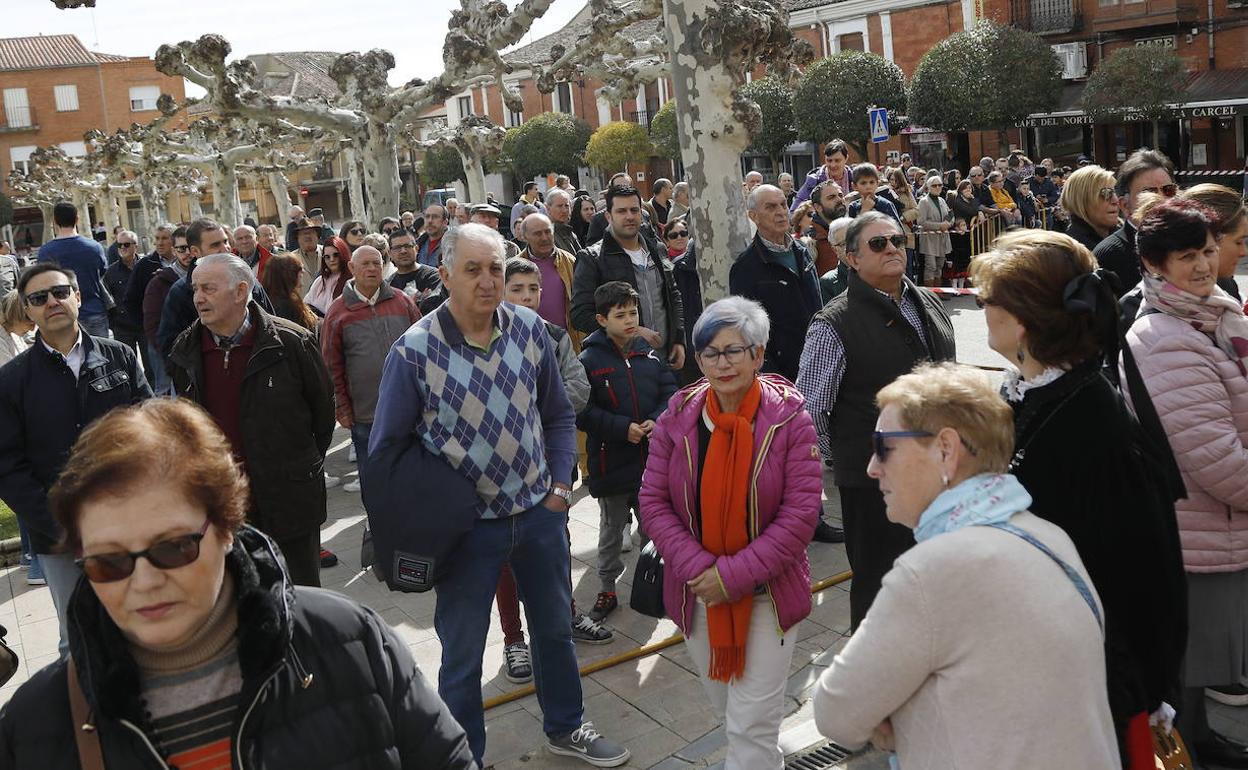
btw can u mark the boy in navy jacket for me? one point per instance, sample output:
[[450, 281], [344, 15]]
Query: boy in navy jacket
[[629, 388]]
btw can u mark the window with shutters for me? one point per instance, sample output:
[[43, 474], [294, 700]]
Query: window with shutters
[[143, 98], [465, 106], [20, 158], [66, 98], [17, 108]]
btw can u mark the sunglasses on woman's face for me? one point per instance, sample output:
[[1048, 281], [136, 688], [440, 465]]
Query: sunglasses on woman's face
[[880, 242], [356, 231], [40, 298], [1107, 193], [166, 554], [882, 449], [673, 235]]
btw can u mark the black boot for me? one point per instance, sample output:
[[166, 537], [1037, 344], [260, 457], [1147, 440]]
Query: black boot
[[1219, 750], [826, 533]]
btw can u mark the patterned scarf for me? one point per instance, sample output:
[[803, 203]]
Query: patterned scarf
[[989, 498], [724, 495], [1218, 315]]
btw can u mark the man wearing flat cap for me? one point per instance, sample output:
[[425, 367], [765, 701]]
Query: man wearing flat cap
[[489, 215], [309, 236]]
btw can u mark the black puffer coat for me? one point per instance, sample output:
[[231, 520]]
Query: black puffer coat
[[326, 684]]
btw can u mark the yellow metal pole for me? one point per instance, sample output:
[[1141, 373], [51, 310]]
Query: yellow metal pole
[[642, 651]]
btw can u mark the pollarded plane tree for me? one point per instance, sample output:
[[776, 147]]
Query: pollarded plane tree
[[706, 47], [52, 177], [479, 141], [370, 112]]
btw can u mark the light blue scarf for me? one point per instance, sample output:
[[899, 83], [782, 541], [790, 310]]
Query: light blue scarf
[[989, 498]]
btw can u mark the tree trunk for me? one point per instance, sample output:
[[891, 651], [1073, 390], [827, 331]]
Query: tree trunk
[[225, 195], [112, 214], [474, 176], [381, 170], [279, 186], [197, 205], [46, 210], [712, 139], [84, 212], [355, 185]]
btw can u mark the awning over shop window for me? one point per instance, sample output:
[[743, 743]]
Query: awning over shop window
[[1209, 94]]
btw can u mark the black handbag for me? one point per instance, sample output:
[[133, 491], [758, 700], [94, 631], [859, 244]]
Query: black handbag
[[647, 594], [8, 659]]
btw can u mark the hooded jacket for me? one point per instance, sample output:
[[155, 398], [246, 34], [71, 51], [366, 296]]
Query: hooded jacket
[[326, 683], [785, 502]]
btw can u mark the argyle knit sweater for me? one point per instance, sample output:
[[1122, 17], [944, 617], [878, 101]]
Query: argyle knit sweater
[[500, 416]]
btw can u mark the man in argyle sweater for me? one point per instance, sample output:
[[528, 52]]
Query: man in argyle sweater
[[478, 382]]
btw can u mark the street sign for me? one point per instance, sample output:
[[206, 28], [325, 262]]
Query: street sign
[[877, 121]]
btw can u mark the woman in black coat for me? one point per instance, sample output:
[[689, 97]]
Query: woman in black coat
[[1108, 479], [1090, 198], [188, 641]]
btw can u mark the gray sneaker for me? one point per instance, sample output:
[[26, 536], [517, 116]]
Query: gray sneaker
[[586, 630], [586, 744]]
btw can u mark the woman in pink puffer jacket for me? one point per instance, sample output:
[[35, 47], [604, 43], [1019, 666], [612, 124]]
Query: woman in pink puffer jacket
[[1191, 343], [767, 575]]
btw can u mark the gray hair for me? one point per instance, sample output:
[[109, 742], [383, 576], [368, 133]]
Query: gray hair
[[994, 176], [556, 192], [783, 175], [862, 222], [130, 233], [238, 270], [165, 227], [758, 174], [243, 227], [679, 188], [520, 212], [837, 228], [471, 233], [745, 315], [267, 229], [933, 179], [751, 201]]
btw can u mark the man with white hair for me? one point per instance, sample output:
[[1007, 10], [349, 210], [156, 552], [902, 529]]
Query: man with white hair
[[275, 404], [556, 267], [248, 248], [452, 212], [785, 181], [126, 328], [680, 200], [477, 384], [360, 326], [559, 209], [752, 179], [266, 237], [293, 215]]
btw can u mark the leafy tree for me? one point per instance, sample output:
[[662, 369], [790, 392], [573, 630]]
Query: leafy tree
[[442, 165], [986, 77], [553, 142], [775, 100], [615, 145], [663, 132], [834, 94], [1142, 79]]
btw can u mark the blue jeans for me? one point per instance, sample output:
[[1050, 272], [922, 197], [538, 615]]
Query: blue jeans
[[161, 385], [95, 325], [536, 544], [360, 431], [62, 576]]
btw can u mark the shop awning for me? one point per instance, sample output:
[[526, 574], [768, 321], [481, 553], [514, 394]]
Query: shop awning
[[1208, 94]]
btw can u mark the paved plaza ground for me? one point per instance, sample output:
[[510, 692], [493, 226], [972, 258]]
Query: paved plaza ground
[[655, 705]]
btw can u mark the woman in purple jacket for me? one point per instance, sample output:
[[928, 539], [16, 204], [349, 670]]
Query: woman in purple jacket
[[731, 496]]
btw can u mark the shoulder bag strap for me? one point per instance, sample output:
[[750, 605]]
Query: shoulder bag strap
[[90, 756], [1080, 585]]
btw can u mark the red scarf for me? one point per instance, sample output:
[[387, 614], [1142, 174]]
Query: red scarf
[[724, 496]]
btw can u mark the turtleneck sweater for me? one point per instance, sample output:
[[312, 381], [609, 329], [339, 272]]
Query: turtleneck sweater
[[191, 691]]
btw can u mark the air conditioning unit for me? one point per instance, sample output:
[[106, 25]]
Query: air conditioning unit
[[1074, 59]]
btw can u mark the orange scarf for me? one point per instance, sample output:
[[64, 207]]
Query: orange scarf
[[724, 496]]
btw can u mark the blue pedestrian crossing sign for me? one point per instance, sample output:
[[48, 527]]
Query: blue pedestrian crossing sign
[[877, 119]]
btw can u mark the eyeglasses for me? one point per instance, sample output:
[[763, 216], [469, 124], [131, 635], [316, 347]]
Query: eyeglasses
[[882, 450], [126, 244], [880, 242], [402, 246], [181, 249], [734, 355], [356, 231], [167, 554], [674, 234], [389, 230], [40, 298], [1107, 193], [1168, 190]]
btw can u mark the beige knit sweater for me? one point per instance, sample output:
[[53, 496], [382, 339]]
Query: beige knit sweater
[[983, 654]]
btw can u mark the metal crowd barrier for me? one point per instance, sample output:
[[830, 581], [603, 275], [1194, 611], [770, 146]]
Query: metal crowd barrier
[[983, 233]]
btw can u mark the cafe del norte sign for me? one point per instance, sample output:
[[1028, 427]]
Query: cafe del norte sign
[[1132, 116]]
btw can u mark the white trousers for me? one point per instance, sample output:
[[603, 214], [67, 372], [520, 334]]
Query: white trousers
[[753, 705]]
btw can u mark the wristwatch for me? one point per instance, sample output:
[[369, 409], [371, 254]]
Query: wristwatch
[[566, 494]]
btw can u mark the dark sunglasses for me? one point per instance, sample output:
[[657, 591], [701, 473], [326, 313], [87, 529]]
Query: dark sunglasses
[[880, 242], [167, 554], [1107, 193], [356, 231], [388, 230], [40, 298], [882, 450], [181, 249], [674, 234], [1168, 190], [126, 244]]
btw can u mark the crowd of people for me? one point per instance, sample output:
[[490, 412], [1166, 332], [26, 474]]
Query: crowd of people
[[1070, 544]]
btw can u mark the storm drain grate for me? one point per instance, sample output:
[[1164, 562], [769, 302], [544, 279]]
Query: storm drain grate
[[820, 757]]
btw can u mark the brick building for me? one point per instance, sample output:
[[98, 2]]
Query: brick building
[[55, 90]]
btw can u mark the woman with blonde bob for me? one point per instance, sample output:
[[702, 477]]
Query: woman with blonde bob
[[1091, 199], [984, 648], [190, 647]]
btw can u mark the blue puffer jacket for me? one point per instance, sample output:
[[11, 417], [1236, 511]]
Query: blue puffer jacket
[[625, 387]]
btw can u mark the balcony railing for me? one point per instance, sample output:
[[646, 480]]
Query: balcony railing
[[1046, 17], [18, 119], [646, 117]]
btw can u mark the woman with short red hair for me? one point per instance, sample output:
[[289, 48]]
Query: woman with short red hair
[[189, 645]]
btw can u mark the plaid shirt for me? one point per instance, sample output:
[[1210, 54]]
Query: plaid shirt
[[823, 365]]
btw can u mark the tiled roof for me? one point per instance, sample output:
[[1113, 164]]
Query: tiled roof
[[301, 74], [48, 51], [539, 50], [798, 5]]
